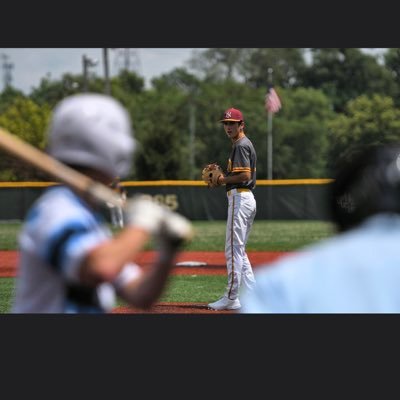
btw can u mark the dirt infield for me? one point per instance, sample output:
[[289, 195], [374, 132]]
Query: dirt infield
[[214, 265], [172, 308], [215, 261]]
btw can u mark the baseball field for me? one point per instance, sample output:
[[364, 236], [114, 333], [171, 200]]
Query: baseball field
[[200, 274]]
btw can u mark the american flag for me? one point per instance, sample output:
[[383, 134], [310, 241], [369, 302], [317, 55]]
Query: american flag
[[272, 101]]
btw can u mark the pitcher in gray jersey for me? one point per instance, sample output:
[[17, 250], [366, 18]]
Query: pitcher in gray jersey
[[240, 182]]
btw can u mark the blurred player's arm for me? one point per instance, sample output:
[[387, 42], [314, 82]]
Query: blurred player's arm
[[108, 261]]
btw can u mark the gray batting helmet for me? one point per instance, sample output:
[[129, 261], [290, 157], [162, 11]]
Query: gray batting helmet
[[92, 130]]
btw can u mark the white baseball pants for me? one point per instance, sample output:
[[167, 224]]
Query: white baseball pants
[[241, 212]]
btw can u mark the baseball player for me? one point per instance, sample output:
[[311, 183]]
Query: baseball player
[[355, 271], [240, 182], [117, 216], [69, 261]]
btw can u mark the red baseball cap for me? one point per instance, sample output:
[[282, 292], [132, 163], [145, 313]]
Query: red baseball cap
[[232, 114]]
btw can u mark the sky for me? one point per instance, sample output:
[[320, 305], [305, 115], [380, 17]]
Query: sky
[[30, 65]]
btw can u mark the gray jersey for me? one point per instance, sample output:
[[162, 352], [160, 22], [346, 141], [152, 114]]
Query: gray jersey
[[243, 158]]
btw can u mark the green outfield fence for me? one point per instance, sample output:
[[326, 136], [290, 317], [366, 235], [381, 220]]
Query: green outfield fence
[[294, 199]]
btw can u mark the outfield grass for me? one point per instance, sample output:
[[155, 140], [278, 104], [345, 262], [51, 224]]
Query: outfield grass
[[8, 235], [6, 293], [209, 236], [265, 235]]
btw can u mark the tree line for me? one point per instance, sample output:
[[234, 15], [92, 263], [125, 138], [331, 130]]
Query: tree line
[[333, 101]]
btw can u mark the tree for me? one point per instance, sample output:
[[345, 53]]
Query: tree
[[301, 134], [217, 64], [29, 121], [392, 63], [125, 86], [160, 124], [51, 92], [346, 73], [177, 78], [367, 120], [8, 96], [288, 65]]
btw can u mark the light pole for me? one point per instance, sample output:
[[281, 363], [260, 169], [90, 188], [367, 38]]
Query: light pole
[[269, 137], [7, 67], [107, 88], [86, 63], [192, 134]]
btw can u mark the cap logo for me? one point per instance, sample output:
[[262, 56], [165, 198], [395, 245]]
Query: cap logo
[[228, 114]]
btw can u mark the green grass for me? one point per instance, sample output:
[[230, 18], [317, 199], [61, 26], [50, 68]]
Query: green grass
[[195, 288], [209, 236], [192, 288], [184, 288], [6, 294], [264, 236], [8, 235]]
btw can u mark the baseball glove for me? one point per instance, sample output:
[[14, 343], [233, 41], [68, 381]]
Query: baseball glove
[[211, 173]]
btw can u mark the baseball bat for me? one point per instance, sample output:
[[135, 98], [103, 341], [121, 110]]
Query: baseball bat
[[60, 171]]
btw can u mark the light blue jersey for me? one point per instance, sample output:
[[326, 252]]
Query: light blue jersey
[[58, 232], [354, 272]]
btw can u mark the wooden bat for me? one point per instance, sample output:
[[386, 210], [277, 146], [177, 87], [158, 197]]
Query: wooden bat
[[76, 180]]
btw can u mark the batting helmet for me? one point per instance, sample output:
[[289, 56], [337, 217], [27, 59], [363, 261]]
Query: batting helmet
[[92, 130], [367, 183]]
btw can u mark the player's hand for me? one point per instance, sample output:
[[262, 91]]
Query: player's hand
[[158, 220]]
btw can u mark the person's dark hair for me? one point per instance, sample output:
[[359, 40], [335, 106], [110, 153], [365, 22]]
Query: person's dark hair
[[367, 182]]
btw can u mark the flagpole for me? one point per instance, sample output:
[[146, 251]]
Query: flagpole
[[269, 137]]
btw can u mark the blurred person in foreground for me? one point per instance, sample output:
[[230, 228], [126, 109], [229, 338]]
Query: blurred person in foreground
[[358, 269], [69, 260]]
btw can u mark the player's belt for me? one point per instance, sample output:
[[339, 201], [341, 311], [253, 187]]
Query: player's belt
[[234, 191]]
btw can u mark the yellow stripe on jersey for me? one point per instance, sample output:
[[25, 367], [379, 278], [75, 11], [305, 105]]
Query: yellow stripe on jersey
[[241, 169]]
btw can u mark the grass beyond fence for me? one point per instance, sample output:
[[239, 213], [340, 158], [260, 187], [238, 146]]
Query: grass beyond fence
[[209, 236]]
